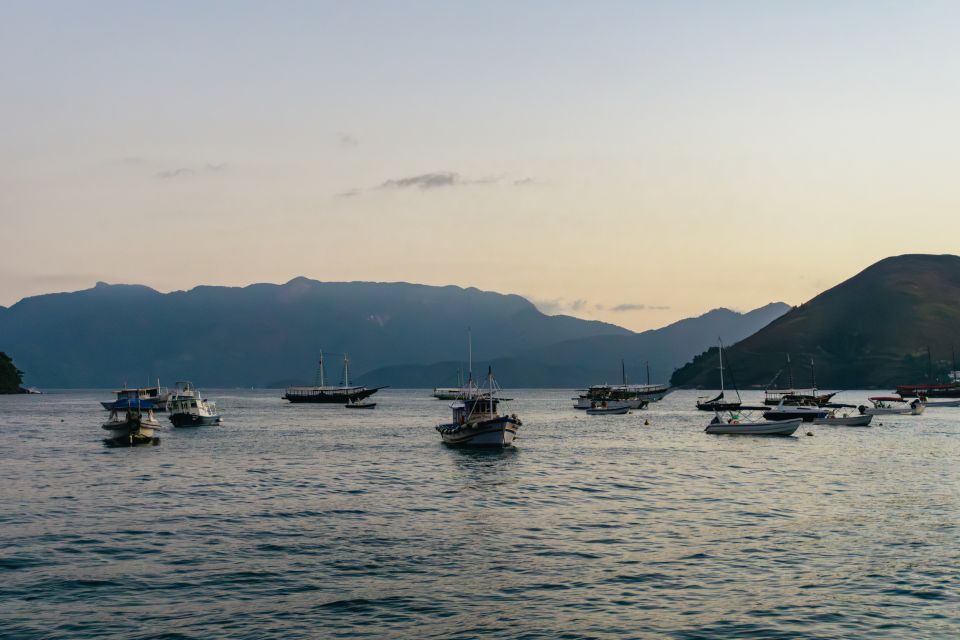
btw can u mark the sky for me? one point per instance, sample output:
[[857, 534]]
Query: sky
[[634, 162]]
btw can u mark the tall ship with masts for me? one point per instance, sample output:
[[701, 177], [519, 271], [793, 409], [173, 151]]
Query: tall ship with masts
[[638, 395], [934, 388], [773, 395], [720, 402], [344, 393]]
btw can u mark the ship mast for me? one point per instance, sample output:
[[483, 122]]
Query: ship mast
[[320, 373], [346, 371], [623, 372], [720, 342], [790, 371]]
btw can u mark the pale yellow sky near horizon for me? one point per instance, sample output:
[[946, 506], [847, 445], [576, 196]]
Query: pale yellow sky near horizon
[[667, 158]]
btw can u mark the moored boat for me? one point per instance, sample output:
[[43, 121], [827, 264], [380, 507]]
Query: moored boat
[[892, 405], [189, 409], [156, 396], [131, 423], [361, 405], [806, 412], [742, 422], [840, 420], [719, 402], [323, 394], [613, 409], [477, 421]]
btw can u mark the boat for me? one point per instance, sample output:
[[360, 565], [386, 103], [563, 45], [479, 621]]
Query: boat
[[157, 396], [791, 395], [940, 403], [361, 405], [132, 423], [446, 393], [844, 420], [892, 405], [189, 409], [743, 422], [950, 389], [637, 396], [719, 402], [808, 412], [614, 409], [477, 421], [321, 393]]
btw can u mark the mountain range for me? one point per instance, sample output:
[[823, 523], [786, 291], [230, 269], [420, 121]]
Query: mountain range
[[872, 330], [270, 335]]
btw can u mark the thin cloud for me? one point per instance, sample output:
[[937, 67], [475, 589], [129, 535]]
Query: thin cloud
[[349, 193], [434, 180], [174, 173], [639, 307], [522, 182], [553, 306], [347, 140]]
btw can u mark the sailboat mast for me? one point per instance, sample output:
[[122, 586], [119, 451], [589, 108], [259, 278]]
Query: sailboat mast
[[623, 373], [323, 381], [648, 373], [346, 371], [790, 371], [721, 365], [813, 377]]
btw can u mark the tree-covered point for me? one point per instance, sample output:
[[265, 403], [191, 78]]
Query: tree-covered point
[[11, 378]]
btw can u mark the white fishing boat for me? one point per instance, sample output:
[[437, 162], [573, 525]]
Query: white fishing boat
[[477, 421], [744, 421], [892, 405], [131, 423], [188, 409]]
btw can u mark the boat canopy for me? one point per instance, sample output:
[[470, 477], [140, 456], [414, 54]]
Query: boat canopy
[[132, 403]]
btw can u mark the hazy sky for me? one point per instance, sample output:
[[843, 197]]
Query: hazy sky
[[636, 162]]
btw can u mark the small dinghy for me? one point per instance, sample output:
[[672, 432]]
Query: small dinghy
[[845, 421], [609, 409], [360, 405], [131, 423], [740, 422]]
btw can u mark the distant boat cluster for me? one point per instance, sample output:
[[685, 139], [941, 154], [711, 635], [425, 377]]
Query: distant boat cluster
[[477, 418]]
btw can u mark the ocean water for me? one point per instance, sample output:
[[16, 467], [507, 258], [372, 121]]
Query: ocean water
[[296, 521]]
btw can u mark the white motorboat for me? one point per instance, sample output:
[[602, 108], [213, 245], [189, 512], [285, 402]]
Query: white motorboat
[[742, 421], [188, 409], [840, 420], [940, 403], [808, 412], [609, 409], [131, 423], [892, 405], [361, 405]]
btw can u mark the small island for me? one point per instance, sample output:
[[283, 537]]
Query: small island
[[11, 378]]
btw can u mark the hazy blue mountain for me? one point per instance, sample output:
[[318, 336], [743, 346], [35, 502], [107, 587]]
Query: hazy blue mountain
[[595, 359], [265, 334]]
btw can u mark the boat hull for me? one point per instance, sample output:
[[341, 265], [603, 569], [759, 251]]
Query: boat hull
[[130, 433], [775, 428], [496, 432], [361, 405], [191, 420], [846, 421], [608, 411], [718, 406]]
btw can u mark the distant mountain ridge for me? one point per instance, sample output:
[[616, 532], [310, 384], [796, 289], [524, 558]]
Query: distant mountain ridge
[[270, 335], [871, 330], [596, 359]]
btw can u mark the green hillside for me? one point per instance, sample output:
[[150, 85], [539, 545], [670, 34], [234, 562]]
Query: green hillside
[[872, 330], [10, 377]]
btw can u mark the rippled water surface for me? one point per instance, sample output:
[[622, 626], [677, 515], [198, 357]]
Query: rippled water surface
[[301, 521]]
